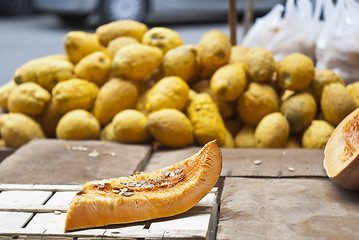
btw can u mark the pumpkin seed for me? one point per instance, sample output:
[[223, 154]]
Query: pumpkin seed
[[128, 194], [167, 173], [149, 185], [94, 153], [81, 192], [291, 169], [57, 212]]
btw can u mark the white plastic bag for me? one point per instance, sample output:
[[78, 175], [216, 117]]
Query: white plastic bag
[[264, 28], [297, 31], [337, 47]]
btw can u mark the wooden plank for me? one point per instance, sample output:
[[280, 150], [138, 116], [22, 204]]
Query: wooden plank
[[61, 199], [287, 209], [273, 163], [104, 234], [192, 219], [46, 238], [5, 152], [18, 198], [208, 200], [33, 208], [47, 220], [186, 221], [39, 187], [241, 162], [57, 206], [15, 199], [14, 219], [52, 161], [232, 21]]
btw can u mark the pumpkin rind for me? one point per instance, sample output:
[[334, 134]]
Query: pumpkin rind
[[162, 193], [341, 160]]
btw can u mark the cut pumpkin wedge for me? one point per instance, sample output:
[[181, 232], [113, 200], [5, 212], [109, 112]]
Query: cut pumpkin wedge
[[162, 193], [341, 160]]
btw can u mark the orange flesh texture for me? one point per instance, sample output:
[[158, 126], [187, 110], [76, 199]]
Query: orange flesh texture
[[342, 153], [166, 192], [351, 138]]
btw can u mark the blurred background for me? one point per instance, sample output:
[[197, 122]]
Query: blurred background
[[35, 28]]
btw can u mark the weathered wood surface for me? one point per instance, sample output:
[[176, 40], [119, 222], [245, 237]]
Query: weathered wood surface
[[259, 208], [165, 157], [242, 162], [45, 221], [71, 162], [5, 152], [273, 163], [14, 199]]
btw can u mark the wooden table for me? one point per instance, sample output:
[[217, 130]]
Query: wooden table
[[262, 193]]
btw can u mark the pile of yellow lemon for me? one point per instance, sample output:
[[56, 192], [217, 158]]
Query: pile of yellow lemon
[[131, 84]]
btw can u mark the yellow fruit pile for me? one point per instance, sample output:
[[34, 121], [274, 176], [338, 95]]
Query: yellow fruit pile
[[131, 84]]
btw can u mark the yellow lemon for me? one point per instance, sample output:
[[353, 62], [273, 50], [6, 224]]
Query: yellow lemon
[[229, 82], [163, 38], [170, 127], [336, 103], [78, 124], [259, 100], [169, 92], [317, 134], [272, 131], [300, 109], [129, 126], [28, 98], [18, 129], [295, 72]]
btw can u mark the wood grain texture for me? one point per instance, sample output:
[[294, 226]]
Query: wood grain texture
[[257, 208], [273, 163], [240, 162], [5, 152], [50, 161]]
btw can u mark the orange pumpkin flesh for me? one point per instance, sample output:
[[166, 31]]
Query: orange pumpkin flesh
[[341, 160], [162, 193]]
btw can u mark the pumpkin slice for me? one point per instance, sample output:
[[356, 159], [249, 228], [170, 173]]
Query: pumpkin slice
[[162, 193], [341, 160]]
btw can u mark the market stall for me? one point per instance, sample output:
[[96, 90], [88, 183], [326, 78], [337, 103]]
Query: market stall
[[138, 102]]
